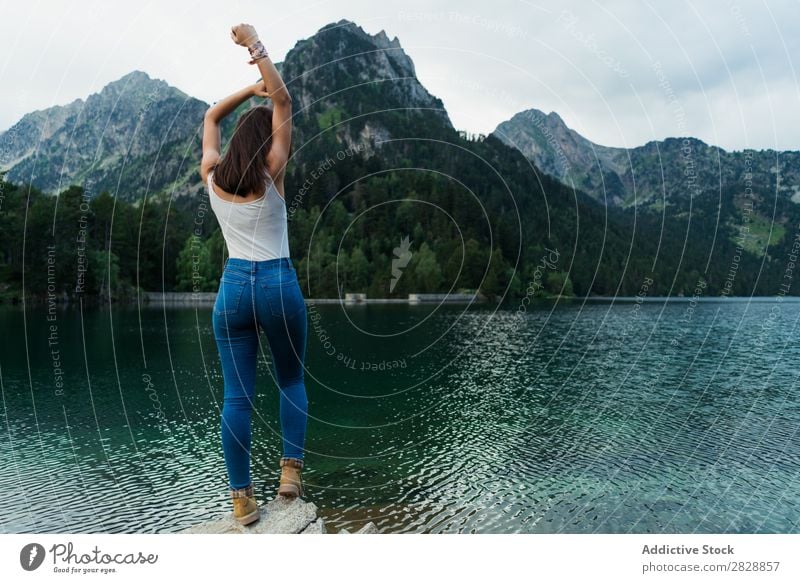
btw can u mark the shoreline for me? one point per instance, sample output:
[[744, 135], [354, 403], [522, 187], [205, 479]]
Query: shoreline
[[192, 298], [180, 299]]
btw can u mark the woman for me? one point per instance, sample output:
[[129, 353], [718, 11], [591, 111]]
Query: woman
[[258, 288]]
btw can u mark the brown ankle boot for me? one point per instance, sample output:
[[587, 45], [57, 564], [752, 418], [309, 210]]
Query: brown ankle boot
[[291, 483], [245, 507]]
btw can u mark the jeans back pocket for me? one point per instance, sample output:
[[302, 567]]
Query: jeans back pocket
[[284, 296], [228, 297]]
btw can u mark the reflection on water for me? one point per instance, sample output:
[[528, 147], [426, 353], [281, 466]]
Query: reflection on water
[[570, 417]]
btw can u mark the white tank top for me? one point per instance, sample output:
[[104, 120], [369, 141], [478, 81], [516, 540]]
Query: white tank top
[[255, 230]]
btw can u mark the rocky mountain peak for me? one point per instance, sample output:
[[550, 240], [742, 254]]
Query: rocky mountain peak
[[644, 174], [125, 129], [136, 89], [344, 55]]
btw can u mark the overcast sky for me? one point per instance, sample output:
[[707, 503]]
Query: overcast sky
[[620, 73]]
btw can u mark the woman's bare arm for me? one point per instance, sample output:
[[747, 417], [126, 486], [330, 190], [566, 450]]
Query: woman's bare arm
[[245, 35], [214, 116]]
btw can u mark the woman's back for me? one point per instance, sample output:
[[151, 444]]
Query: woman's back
[[255, 230]]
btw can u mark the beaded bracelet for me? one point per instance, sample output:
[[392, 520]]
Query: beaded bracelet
[[257, 52]]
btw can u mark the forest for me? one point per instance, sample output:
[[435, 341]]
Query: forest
[[59, 247]]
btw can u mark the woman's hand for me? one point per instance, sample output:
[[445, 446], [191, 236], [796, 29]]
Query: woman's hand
[[260, 89], [244, 34]]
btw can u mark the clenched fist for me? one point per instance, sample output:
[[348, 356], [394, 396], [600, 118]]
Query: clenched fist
[[244, 34]]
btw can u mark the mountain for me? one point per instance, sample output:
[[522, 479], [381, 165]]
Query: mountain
[[654, 174], [342, 72], [139, 135], [129, 138]]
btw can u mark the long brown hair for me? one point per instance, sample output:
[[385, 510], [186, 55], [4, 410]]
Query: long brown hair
[[243, 168]]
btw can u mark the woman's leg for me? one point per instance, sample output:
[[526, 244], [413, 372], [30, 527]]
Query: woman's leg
[[236, 334], [283, 317]]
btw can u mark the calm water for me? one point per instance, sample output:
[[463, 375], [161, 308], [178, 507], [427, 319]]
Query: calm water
[[570, 417]]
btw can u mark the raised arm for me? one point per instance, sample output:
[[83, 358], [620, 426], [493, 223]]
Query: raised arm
[[214, 116], [278, 157]]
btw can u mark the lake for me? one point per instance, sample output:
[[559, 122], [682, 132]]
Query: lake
[[670, 416]]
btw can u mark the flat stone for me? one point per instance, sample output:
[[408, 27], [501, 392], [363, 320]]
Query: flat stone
[[281, 515], [315, 527]]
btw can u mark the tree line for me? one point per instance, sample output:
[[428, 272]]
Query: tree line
[[106, 249]]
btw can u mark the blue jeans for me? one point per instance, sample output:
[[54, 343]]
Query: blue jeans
[[262, 295]]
